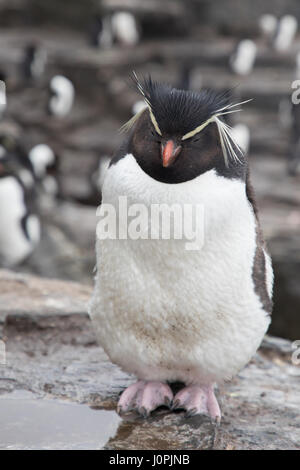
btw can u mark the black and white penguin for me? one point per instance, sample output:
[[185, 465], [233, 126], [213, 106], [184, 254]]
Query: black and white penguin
[[161, 311], [62, 94], [285, 33], [45, 166], [100, 32], [243, 57], [268, 26], [124, 28], [20, 225], [34, 62]]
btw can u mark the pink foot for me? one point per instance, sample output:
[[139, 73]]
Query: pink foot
[[145, 397], [198, 400]]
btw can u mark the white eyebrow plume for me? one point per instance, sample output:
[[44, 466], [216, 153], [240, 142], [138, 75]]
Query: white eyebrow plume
[[129, 124], [228, 142], [227, 139], [233, 105]]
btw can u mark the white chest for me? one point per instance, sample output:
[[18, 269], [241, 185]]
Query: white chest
[[154, 298]]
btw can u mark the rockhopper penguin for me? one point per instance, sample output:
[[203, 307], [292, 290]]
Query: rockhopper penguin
[[165, 313]]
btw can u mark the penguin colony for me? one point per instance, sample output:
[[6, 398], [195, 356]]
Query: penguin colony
[[27, 173]]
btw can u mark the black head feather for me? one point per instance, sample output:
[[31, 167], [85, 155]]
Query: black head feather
[[178, 112], [194, 123]]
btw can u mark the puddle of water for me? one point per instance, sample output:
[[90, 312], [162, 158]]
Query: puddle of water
[[35, 424]]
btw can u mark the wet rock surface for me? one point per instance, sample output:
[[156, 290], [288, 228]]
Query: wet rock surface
[[53, 424], [52, 355]]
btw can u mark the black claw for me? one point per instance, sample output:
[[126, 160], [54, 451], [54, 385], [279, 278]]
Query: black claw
[[191, 412], [168, 402], [175, 404]]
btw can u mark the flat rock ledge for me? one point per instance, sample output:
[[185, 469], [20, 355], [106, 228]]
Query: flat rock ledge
[[51, 352]]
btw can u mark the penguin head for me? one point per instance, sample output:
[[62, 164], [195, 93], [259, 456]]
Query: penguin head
[[182, 134]]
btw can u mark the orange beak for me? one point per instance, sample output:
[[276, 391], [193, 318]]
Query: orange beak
[[169, 152]]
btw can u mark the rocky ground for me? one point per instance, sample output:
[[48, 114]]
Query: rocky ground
[[51, 354]]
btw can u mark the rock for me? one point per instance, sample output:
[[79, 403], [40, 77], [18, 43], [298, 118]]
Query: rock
[[27, 295], [52, 353]]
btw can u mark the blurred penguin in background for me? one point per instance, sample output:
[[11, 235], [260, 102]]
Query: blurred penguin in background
[[20, 225], [62, 94], [119, 28], [268, 26], [125, 29], [243, 57], [45, 166], [34, 62], [285, 33], [100, 32], [11, 150]]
